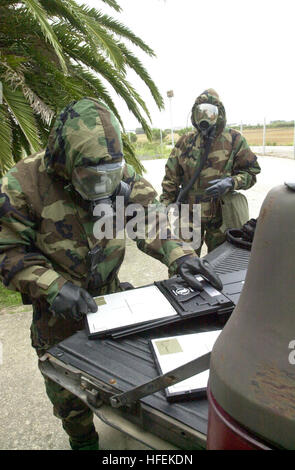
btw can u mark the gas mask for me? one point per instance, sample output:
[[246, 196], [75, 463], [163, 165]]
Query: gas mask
[[205, 116], [100, 184]]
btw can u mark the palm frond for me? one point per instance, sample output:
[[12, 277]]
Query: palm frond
[[14, 75], [43, 131], [72, 22], [23, 115], [93, 86], [37, 105], [83, 54], [63, 10], [40, 16], [53, 52], [129, 155], [117, 81], [98, 37], [26, 148], [20, 145], [113, 4], [6, 160], [104, 40], [118, 28], [7, 3], [135, 64], [12, 61]]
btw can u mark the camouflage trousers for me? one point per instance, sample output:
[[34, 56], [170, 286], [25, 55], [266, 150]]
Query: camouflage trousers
[[209, 232], [211, 235], [76, 417]]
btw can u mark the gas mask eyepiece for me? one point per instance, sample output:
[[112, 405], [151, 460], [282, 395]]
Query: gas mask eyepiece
[[205, 116], [97, 182]]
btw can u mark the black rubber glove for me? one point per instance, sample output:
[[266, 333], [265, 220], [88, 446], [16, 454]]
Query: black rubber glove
[[189, 266], [73, 302], [220, 187]]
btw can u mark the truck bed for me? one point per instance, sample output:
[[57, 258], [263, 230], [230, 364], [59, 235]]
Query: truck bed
[[119, 365]]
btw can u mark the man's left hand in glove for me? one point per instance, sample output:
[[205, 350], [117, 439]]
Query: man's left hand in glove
[[220, 187], [188, 267], [72, 302]]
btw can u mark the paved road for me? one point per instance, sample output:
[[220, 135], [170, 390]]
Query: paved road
[[281, 151], [274, 171], [26, 420]]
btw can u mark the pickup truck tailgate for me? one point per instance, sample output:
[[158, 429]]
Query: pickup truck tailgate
[[119, 365]]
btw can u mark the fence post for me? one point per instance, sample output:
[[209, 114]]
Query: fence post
[[264, 137], [161, 139], [170, 95]]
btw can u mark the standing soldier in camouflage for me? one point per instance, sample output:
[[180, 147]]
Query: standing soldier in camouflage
[[230, 165], [48, 250]]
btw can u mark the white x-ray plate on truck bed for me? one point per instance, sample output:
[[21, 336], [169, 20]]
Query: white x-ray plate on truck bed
[[123, 309], [176, 351], [124, 313]]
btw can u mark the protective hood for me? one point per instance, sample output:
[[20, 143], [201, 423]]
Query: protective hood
[[85, 133], [210, 96]]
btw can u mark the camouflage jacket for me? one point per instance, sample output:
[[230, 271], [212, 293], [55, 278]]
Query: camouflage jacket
[[229, 155], [46, 229]]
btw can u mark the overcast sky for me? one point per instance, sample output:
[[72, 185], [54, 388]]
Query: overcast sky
[[242, 49]]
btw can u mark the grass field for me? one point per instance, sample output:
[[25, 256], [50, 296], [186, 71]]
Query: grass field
[[273, 136]]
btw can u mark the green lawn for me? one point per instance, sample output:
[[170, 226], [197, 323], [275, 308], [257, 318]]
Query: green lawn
[[152, 150], [9, 298]]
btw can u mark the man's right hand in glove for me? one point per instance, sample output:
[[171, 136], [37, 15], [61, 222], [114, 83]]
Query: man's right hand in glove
[[73, 302], [188, 267], [219, 187]]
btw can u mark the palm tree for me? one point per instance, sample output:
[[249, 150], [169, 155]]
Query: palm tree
[[53, 52]]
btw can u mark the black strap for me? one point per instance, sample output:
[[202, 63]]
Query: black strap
[[237, 237]]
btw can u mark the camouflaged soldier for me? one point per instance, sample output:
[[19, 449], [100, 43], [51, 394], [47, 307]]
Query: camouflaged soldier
[[230, 165], [48, 250]]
